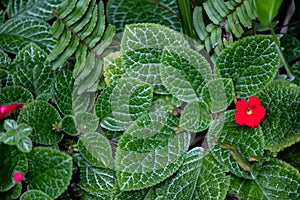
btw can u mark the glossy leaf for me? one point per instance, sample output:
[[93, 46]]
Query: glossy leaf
[[36, 8], [218, 94], [267, 10], [149, 152], [184, 72], [49, 171], [124, 12], [35, 194], [251, 63], [16, 33], [281, 126], [41, 117], [275, 180], [195, 117], [11, 160], [233, 145], [32, 70], [25, 144], [96, 149]]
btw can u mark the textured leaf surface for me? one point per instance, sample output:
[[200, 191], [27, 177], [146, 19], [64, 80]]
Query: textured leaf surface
[[32, 70], [49, 171], [291, 47], [184, 72], [232, 145], [149, 151], [122, 12], [275, 180], [63, 88], [295, 69], [36, 195], [218, 94], [68, 125], [141, 48], [113, 69], [4, 60], [12, 94], [36, 8], [129, 97], [86, 122], [251, 63], [11, 160], [96, 180], [281, 126], [41, 117], [95, 148], [19, 32], [195, 117]]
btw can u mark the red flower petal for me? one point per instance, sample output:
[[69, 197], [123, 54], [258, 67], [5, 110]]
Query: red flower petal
[[254, 101], [18, 176], [259, 112], [241, 117], [242, 105]]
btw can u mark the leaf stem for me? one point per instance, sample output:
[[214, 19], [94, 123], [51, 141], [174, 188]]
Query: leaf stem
[[186, 17], [281, 55]]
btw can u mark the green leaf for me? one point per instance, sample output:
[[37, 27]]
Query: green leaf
[[36, 8], [17, 190], [5, 60], [129, 97], [5, 78], [275, 180], [86, 122], [141, 48], [96, 180], [68, 125], [184, 72], [291, 47], [234, 145], [291, 155], [11, 137], [251, 63], [96, 149], [13, 94], [32, 70], [11, 160], [267, 10], [41, 117], [218, 94], [113, 69], [125, 12], [25, 144], [49, 171], [36, 195], [19, 32], [199, 177], [281, 126], [295, 68], [63, 88], [150, 152], [195, 117]]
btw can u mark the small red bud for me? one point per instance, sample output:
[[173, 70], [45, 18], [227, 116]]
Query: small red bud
[[18, 176]]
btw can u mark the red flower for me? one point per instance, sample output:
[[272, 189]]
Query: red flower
[[5, 110], [249, 112], [18, 176]]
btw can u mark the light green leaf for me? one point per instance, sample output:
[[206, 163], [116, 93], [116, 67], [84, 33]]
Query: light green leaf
[[19, 32], [195, 117], [281, 126], [63, 88], [11, 161], [113, 69], [95, 148], [122, 12], [68, 125], [251, 63], [13, 94], [184, 72], [32, 70], [36, 8], [129, 97], [234, 145], [218, 94], [25, 144], [275, 180], [141, 48], [11, 137], [267, 10], [36, 195], [41, 117], [49, 171], [96, 180], [150, 151]]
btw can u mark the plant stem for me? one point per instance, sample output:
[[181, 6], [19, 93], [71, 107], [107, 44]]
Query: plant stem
[[186, 17], [281, 55]]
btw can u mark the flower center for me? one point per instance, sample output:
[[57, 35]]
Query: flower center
[[249, 111]]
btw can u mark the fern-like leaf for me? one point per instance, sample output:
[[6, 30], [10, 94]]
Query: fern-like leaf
[[228, 19]]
